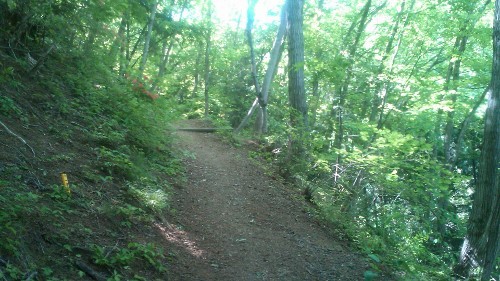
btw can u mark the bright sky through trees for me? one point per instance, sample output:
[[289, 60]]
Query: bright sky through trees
[[228, 11]]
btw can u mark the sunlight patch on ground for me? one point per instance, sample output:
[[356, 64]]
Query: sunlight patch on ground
[[180, 238]]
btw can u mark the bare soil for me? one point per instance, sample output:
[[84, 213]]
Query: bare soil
[[235, 222]]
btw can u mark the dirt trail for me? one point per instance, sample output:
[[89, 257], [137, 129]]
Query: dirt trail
[[235, 223]]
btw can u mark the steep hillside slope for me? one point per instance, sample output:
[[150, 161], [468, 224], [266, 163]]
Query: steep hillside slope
[[75, 117]]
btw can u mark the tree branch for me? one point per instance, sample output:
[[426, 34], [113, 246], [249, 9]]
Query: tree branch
[[17, 136]]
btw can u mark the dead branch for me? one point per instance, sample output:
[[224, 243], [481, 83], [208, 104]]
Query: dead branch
[[89, 271], [42, 59], [32, 276], [17, 136]]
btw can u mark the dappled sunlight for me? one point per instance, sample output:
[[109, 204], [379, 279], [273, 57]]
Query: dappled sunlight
[[180, 238]]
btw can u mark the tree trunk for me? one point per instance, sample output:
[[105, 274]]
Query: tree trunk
[[252, 109], [208, 39], [296, 86], [124, 46], [451, 84], [379, 95], [148, 38], [451, 89], [89, 43], [196, 74], [468, 118], [118, 42], [207, 70], [248, 32], [386, 87], [127, 53], [166, 50], [337, 110], [275, 57], [315, 100], [481, 244], [456, 61]]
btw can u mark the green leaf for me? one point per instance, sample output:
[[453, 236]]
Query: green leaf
[[12, 4], [374, 257], [369, 275]]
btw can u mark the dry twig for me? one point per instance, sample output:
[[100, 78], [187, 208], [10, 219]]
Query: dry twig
[[17, 136]]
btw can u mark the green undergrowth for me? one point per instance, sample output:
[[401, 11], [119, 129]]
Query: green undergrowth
[[113, 143], [383, 207]]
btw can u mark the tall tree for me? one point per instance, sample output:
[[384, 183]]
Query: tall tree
[[342, 90], [167, 48], [296, 86], [197, 70], [481, 245], [452, 78], [275, 56], [248, 33], [147, 40], [119, 40], [208, 42], [451, 87], [381, 88]]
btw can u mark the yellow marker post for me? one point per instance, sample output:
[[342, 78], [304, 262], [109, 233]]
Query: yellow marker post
[[65, 183]]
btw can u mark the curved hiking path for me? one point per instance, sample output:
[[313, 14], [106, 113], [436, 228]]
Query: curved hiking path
[[233, 222]]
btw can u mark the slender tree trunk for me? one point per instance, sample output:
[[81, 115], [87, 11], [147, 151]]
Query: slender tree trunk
[[207, 70], [381, 90], [439, 119], [449, 151], [130, 54], [147, 40], [315, 101], [166, 50], [275, 57], [386, 87], [124, 46], [466, 122], [272, 66], [118, 42], [378, 95], [296, 86], [337, 110], [317, 74], [451, 85], [248, 32], [208, 42], [197, 71], [252, 109], [88, 46]]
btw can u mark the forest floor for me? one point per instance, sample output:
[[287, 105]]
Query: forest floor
[[235, 221]]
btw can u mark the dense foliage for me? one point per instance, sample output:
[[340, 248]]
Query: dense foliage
[[395, 94], [61, 95]]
